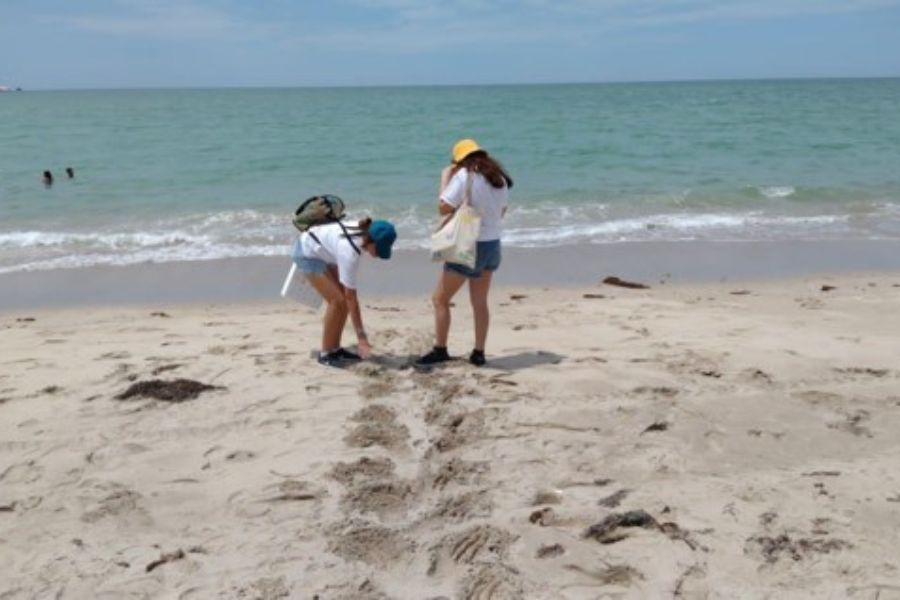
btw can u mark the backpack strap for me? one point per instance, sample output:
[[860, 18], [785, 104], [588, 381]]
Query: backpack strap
[[347, 235], [349, 238]]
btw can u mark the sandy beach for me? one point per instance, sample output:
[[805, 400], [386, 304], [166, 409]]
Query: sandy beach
[[718, 440]]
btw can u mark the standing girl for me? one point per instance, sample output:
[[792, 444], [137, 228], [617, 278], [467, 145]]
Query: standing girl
[[489, 190]]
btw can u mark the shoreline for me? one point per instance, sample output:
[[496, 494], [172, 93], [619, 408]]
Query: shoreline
[[410, 273]]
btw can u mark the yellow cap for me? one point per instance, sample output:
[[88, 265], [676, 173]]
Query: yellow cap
[[463, 148]]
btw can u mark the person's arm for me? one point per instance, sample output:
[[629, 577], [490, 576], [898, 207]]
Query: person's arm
[[365, 349], [451, 191], [445, 177]]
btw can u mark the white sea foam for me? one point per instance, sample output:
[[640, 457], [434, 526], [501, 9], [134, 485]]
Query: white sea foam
[[777, 191], [252, 233]]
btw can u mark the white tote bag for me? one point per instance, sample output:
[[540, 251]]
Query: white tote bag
[[456, 239], [297, 288]]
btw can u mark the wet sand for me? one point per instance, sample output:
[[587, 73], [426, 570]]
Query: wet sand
[[717, 440], [411, 273]]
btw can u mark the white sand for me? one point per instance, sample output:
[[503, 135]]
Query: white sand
[[760, 431]]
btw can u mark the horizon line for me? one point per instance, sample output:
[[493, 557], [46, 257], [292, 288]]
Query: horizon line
[[15, 88]]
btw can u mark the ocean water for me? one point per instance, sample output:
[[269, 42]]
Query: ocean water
[[173, 175]]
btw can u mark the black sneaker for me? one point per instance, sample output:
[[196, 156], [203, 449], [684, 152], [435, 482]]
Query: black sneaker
[[437, 355], [332, 359], [347, 355], [477, 358]]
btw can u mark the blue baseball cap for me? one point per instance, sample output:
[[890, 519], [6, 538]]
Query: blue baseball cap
[[383, 234]]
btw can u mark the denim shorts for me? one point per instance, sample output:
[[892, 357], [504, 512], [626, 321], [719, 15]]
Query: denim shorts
[[487, 258], [312, 266], [307, 264]]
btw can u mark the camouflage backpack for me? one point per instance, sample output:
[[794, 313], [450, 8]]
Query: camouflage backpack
[[318, 210]]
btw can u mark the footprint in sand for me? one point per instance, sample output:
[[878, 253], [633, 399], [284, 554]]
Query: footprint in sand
[[479, 543], [458, 471], [387, 435], [460, 429], [851, 423], [280, 501], [380, 497], [110, 457], [265, 588], [24, 472], [493, 582], [118, 503], [461, 507], [377, 427], [363, 469], [365, 542]]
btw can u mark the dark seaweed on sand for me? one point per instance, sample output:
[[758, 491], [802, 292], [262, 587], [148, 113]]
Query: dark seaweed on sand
[[177, 390], [625, 284]]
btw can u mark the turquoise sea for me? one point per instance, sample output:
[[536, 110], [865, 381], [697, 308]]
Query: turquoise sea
[[173, 175]]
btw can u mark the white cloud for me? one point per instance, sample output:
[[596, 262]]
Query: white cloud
[[168, 19]]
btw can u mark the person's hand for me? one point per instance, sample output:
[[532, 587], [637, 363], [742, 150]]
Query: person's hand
[[365, 349]]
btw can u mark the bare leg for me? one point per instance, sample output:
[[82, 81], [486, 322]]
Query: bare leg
[[335, 311], [332, 273], [447, 286], [478, 294]]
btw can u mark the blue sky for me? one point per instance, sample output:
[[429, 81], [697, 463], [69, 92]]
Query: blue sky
[[47, 44]]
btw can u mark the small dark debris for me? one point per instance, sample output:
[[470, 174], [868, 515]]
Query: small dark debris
[[164, 368], [822, 474], [177, 390], [674, 532], [605, 530], [25, 320], [517, 296], [614, 500], [767, 518], [657, 426], [51, 389], [8, 507], [740, 293], [550, 551], [602, 482], [632, 285], [828, 288], [622, 575], [774, 548], [894, 498], [542, 517], [165, 558], [661, 390], [863, 371], [594, 296], [759, 374], [160, 314], [711, 373]]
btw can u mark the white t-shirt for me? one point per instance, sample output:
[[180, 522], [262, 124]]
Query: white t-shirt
[[486, 199], [335, 249]]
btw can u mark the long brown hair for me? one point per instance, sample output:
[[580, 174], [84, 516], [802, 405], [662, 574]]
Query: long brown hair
[[482, 163]]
